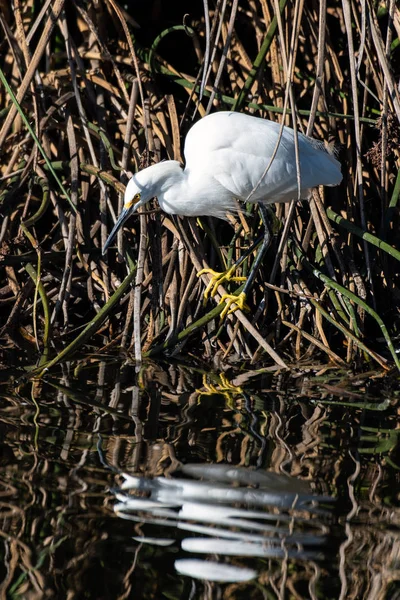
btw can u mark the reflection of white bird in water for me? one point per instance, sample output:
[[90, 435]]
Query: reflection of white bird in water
[[226, 155]]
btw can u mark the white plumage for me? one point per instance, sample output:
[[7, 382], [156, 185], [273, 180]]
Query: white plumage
[[226, 154]]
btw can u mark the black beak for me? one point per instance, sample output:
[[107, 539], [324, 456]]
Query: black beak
[[125, 214]]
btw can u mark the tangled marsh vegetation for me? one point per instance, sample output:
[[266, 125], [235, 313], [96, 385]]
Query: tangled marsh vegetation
[[91, 93]]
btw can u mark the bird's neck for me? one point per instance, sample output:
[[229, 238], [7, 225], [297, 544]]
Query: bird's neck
[[172, 186]]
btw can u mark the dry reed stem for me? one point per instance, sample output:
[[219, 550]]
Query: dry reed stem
[[95, 115]]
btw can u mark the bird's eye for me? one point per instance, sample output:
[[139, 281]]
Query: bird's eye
[[129, 203]]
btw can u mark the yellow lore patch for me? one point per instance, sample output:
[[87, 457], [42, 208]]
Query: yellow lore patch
[[129, 203]]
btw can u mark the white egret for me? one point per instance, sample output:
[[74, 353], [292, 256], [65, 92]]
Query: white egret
[[226, 155]]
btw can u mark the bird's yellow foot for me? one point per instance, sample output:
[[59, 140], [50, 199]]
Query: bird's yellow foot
[[218, 279], [239, 302]]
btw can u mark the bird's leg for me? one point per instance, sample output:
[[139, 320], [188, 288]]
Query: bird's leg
[[240, 300], [219, 277]]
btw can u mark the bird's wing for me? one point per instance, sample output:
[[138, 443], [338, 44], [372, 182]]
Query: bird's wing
[[236, 149]]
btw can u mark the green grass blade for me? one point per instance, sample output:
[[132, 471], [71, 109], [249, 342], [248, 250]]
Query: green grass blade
[[35, 138]]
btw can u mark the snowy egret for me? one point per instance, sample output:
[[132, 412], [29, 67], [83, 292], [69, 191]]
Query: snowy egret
[[226, 156]]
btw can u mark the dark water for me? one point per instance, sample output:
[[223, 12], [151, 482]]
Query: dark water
[[303, 501]]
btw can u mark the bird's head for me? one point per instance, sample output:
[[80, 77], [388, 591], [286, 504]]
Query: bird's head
[[145, 185], [137, 193]]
